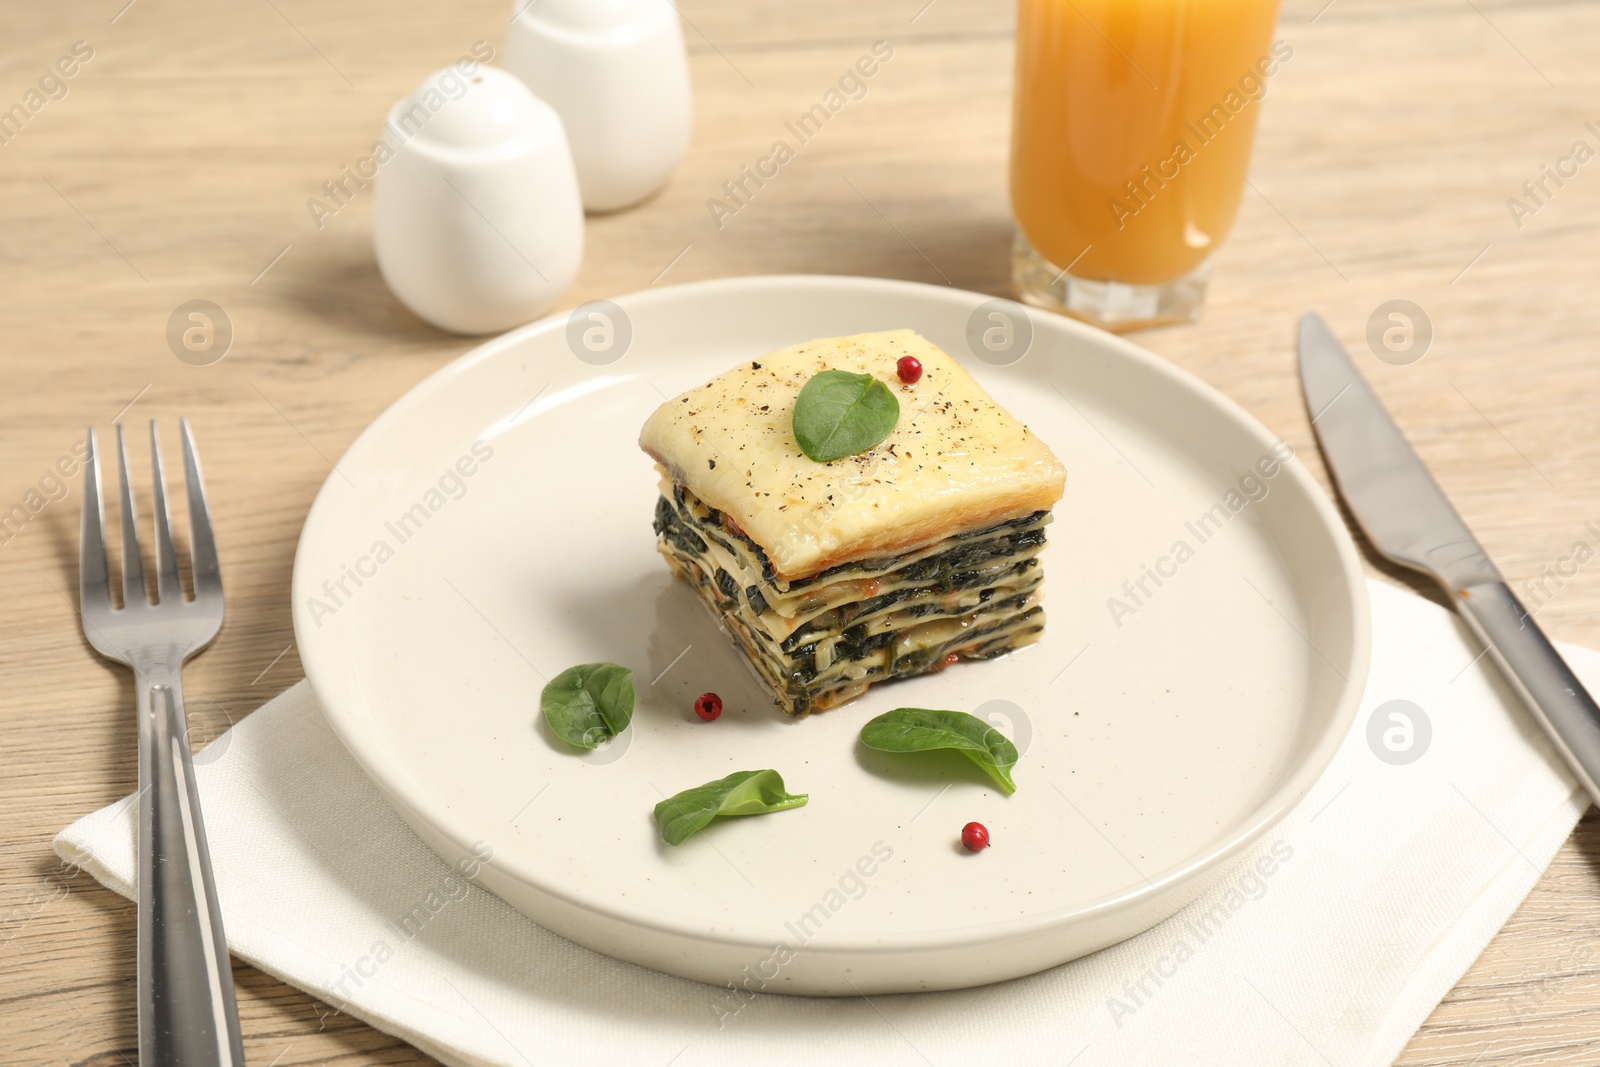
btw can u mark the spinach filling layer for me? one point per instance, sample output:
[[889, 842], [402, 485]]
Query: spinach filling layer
[[822, 640]]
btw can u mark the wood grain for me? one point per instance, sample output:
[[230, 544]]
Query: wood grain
[[178, 166]]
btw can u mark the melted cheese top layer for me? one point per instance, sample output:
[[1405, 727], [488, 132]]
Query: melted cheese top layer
[[956, 461]]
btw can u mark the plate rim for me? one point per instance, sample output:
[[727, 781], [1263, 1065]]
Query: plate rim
[[392, 779]]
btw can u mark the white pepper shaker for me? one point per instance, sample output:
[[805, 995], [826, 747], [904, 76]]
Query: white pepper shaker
[[617, 74], [477, 221]]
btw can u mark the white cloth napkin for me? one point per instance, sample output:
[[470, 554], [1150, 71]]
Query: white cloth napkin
[[1385, 884]]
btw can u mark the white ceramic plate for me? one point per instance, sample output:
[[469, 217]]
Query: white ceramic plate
[[493, 528]]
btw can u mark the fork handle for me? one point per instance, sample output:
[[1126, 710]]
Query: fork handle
[[187, 1013]]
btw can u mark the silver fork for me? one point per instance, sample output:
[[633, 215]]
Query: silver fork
[[187, 1013]]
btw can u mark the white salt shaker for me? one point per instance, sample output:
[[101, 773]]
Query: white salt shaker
[[617, 74], [476, 218]]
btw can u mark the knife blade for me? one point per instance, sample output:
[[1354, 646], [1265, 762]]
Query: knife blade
[[1409, 520]]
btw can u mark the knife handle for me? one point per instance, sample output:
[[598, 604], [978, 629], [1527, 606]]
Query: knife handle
[[1539, 675]]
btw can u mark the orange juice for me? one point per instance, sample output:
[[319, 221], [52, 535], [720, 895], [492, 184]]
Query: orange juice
[[1131, 129]]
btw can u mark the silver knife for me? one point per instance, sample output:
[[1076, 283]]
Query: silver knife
[[1408, 519]]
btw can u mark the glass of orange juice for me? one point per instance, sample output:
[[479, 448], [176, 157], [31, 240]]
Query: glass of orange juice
[[1131, 130]]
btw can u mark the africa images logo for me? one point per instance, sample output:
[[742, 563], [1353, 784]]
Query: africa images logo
[[1205, 128], [452, 484], [1252, 487]]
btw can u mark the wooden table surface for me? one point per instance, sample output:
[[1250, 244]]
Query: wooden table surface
[[178, 164]]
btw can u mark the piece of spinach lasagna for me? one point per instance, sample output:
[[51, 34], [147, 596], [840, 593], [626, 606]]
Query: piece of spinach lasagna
[[898, 560]]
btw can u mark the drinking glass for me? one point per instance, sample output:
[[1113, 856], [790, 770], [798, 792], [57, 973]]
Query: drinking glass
[[1131, 130]]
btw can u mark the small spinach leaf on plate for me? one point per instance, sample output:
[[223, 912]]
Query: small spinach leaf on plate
[[589, 703], [922, 730], [741, 793], [838, 414]]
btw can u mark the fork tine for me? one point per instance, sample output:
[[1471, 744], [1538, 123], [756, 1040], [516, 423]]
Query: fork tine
[[169, 590], [202, 542], [94, 581], [133, 592]]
